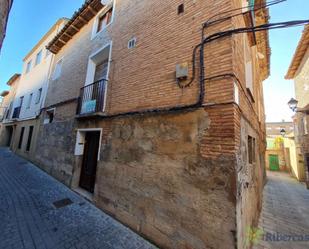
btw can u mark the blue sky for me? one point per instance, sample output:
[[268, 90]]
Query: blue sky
[[30, 20], [283, 42]]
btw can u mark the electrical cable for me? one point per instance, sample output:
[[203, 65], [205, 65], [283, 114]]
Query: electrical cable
[[208, 39], [209, 23], [253, 7]]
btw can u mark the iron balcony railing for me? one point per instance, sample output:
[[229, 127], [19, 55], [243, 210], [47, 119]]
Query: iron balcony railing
[[92, 98], [16, 112]]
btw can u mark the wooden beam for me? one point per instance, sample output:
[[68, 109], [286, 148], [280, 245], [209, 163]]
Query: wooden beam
[[62, 41], [83, 19], [74, 27], [92, 10], [66, 34], [54, 45]]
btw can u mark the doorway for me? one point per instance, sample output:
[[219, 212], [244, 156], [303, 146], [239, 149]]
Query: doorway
[[274, 162], [9, 132], [90, 160]]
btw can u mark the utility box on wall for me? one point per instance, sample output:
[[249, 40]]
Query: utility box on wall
[[182, 71]]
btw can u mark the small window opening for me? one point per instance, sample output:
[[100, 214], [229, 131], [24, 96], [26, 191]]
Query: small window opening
[[132, 43], [181, 9], [50, 114], [251, 150]]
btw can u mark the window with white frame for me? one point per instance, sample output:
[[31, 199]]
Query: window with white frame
[[28, 67], [132, 43], [29, 101], [249, 76], [57, 70], [47, 53], [38, 58], [38, 96], [104, 19], [248, 66]]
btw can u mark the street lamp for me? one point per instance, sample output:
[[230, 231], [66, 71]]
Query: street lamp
[[283, 132], [293, 104]]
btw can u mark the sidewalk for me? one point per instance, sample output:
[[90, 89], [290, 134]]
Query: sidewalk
[[30, 218]]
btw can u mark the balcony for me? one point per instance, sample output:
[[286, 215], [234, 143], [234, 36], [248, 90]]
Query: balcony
[[91, 99], [16, 112]]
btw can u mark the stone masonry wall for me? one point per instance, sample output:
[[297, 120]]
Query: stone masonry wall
[[250, 183], [55, 146], [17, 134], [153, 177]]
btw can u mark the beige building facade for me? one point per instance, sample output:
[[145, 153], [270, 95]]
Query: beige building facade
[[26, 99], [7, 126], [299, 71], [178, 160]]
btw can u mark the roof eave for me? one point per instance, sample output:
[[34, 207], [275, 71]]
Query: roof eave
[[13, 79], [299, 54], [79, 19]]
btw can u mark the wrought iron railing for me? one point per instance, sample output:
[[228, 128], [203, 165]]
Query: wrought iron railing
[[92, 98], [16, 112]]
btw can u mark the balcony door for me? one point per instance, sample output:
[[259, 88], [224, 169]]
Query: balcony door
[[94, 92], [100, 75], [101, 71]]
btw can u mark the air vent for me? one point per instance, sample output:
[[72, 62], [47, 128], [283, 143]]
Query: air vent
[[181, 9], [132, 43]]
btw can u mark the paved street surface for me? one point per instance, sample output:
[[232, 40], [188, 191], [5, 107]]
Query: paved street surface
[[285, 213], [29, 219]]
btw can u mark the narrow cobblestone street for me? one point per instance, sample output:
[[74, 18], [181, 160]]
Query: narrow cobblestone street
[[285, 214], [29, 218]]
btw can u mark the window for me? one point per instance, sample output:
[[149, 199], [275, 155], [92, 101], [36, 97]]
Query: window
[[29, 101], [305, 125], [105, 19], [29, 138], [47, 53], [57, 71], [21, 137], [38, 96], [38, 58], [9, 110], [49, 116], [249, 77], [251, 150], [21, 101], [28, 67], [132, 43]]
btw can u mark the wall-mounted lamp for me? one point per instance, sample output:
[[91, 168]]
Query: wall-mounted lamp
[[283, 132], [293, 104]]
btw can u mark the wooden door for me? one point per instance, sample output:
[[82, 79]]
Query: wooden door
[[90, 159], [274, 162]]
